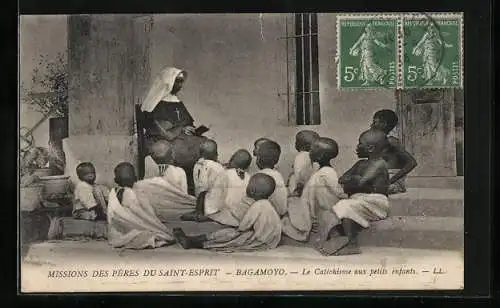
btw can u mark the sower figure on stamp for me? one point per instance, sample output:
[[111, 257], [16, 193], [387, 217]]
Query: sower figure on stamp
[[370, 70], [366, 184], [430, 48], [166, 118], [399, 161]]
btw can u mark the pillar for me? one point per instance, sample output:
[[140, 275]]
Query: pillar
[[108, 62]]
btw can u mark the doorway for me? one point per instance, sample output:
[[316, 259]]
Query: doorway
[[431, 131]]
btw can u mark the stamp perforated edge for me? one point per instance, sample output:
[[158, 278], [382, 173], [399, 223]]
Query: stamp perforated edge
[[435, 15], [344, 16]]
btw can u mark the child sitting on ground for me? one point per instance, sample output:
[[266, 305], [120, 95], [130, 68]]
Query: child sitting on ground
[[90, 200], [259, 229], [205, 173], [302, 164], [163, 157], [223, 199], [366, 183], [268, 155], [399, 162], [157, 162], [311, 218], [132, 224]]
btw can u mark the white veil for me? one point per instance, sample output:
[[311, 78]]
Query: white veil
[[160, 89]]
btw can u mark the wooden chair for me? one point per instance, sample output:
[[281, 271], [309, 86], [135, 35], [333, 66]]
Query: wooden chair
[[141, 142]]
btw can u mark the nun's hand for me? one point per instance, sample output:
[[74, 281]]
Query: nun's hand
[[189, 130]]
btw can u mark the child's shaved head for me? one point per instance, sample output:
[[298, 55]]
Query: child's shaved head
[[385, 120], [161, 152], [371, 141], [208, 149], [125, 174], [304, 139], [241, 159], [260, 186], [268, 154], [323, 150], [258, 143]]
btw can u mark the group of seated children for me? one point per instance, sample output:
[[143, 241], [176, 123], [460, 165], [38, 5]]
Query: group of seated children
[[257, 211]]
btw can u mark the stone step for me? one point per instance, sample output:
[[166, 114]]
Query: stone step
[[456, 182], [416, 232], [428, 202]]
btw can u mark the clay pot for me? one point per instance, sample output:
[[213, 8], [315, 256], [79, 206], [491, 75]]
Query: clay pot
[[30, 197], [55, 186], [42, 172]]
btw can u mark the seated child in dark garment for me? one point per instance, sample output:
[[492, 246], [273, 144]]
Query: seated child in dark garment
[[399, 162], [366, 184], [90, 200]]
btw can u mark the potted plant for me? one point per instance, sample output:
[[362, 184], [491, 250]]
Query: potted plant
[[48, 91], [48, 94]]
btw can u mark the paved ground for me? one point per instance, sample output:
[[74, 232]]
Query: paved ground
[[292, 261]]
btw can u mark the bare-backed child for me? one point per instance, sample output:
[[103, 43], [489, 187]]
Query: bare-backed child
[[89, 199], [205, 173], [268, 155], [366, 184], [302, 164], [259, 228], [399, 162]]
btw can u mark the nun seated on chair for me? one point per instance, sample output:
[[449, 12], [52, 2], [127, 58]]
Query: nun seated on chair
[[165, 117]]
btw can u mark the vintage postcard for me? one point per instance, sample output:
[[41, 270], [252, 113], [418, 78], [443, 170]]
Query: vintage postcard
[[241, 152]]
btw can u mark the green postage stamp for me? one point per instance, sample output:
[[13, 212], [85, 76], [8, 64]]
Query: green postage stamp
[[432, 51], [400, 51], [367, 49]]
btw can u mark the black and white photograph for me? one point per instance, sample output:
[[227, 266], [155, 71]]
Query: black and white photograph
[[241, 152]]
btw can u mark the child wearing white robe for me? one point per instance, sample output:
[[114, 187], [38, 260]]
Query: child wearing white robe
[[161, 163], [205, 173], [268, 156], [259, 228], [132, 224], [89, 199], [157, 162], [302, 164], [229, 189], [312, 214]]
